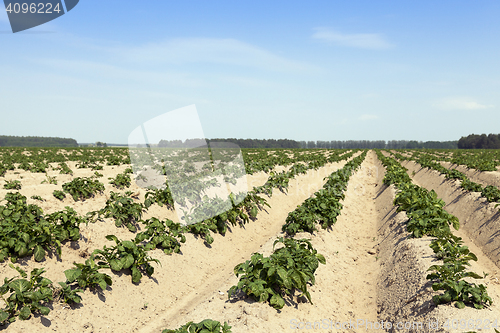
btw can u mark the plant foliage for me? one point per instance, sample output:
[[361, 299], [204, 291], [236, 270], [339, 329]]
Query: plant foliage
[[289, 268], [126, 255], [25, 296], [205, 326]]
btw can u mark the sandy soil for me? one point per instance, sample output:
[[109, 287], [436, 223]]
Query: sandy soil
[[374, 274], [478, 218], [482, 177], [126, 307], [345, 289], [407, 262]]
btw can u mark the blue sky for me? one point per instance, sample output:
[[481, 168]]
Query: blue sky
[[316, 70]]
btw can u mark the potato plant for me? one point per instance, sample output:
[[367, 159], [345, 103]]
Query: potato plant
[[25, 296], [58, 194], [165, 234], [121, 181], [114, 160], [251, 204], [205, 326], [279, 181], [126, 255], [68, 294], [82, 188], [469, 185], [300, 220], [160, 197], [87, 275], [12, 185], [49, 180], [65, 169], [92, 164], [425, 211], [24, 230], [234, 214], [191, 189], [491, 193], [203, 230], [24, 166], [66, 224], [481, 162], [3, 170], [449, 276], [289, 268], [37, 197], [39, 167], [123, 210]]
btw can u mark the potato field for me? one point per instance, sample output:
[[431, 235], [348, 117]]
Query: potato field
[[326, 240]]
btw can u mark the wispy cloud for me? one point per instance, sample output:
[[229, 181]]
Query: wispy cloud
[[366, 117], [247, 81], [211, 50], [459, 103], [359, 40], [89, 70]]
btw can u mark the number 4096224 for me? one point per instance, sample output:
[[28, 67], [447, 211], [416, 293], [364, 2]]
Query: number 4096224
[[33, 8]]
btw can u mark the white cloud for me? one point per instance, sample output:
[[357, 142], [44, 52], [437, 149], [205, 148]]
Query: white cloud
[[364, 40], [459, 103], [366, 117], [88, 70], [210, 50]]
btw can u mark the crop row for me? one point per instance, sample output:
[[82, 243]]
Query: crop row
[[324, 206], [183, 162], [428, 218], [258, 159], [192, 186], [292, 266], [253, 200], [38, 159], [482, 160], [490, 192], [268, 279], [41, 233]]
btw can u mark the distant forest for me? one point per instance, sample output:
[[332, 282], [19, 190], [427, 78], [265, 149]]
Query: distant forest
[[285, 143], [473, 141], [242, 143], [36, 141], [483, 141], [256, 143], [381, 144]]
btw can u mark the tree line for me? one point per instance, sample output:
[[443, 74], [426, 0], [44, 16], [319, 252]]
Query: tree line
[[476, 141], [242, 143], [286, 143], [261, 143], [36, 141], [379, 144], [473, 141]]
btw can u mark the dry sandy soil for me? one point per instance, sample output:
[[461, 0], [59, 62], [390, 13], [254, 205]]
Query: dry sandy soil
[[482, 177], [374, 275]]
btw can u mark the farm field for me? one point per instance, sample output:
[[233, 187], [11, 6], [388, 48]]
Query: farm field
[[373, 273]]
